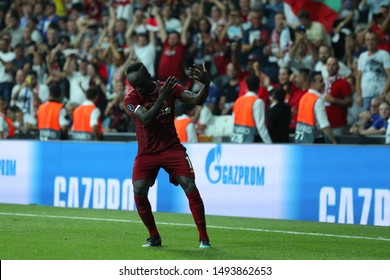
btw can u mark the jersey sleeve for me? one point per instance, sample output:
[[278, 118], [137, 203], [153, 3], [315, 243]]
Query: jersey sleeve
[[131, 103], [179, 89]]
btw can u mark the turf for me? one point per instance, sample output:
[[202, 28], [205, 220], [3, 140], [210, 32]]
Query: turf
[[29, 232]]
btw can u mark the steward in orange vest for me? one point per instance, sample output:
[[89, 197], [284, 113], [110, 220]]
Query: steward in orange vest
[[311, 114], [247, 121], [51, 117], [87, 124], [185, 128]]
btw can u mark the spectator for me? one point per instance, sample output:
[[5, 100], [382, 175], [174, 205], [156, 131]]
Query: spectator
[[6, 69], [281, 40], [315, 31], [173, 51], [256, 38], [249, 115], [76, 73], [144, 47], [229, 90], [50, 18], [184, 124], [379, 127], [372, 7], [312, 113], [324, 52], [13, 29], [202, 45], [86, 119], [7, 129], [381, 25], [115, 118], [302, 53], [51, 117], [235, 30], [30, 95], [279, 117], [367, 118], [97, 82], [169, 21], [373, 75], [21, 61], [338, 98]]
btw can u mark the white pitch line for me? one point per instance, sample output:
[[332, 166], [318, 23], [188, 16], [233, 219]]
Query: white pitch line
[[209, 226]]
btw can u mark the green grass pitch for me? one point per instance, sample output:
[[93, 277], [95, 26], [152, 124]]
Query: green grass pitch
[[29, 232]]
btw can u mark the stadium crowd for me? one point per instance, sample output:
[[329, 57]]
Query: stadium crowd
[[74, 52]]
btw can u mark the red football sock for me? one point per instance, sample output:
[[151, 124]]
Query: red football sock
[[197, 210], [145, 212]]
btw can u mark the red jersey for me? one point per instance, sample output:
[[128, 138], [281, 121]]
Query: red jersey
[[161, 134], [338, 115], [171, 61]]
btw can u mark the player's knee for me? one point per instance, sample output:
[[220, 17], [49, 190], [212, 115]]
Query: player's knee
[[189, 186], [140, 188]]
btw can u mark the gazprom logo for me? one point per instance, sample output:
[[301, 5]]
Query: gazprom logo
[[244, 175]]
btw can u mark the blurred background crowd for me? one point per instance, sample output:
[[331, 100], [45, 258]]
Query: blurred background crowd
[[75, 52]]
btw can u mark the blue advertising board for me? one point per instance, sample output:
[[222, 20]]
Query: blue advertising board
[[336, 184]]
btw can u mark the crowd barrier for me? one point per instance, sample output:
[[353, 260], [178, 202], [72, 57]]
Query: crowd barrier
[[322, 183]]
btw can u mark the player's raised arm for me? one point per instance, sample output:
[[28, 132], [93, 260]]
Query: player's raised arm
[[199, 73], [150, 116]]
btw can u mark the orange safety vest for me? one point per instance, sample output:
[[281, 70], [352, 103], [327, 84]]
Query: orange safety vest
[[306, 109], [11, 128], [243, 111], [48, 115], [81, 122], [181, 128]]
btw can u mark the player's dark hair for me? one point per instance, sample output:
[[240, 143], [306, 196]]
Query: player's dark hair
[[134, 67]]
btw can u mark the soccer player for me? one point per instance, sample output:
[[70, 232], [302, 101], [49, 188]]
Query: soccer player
[[151, 104]]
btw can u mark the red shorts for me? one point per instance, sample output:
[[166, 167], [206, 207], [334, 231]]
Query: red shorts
[[174, 160]]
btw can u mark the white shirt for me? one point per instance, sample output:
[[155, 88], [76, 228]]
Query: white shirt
[[62, 118], [76, 94], [147, 55], [343, 69], [320, 111], [6, 57], [373, 69], [205, 115], [190, 129]]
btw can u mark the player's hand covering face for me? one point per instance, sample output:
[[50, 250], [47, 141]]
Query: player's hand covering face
[[168, 87]]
